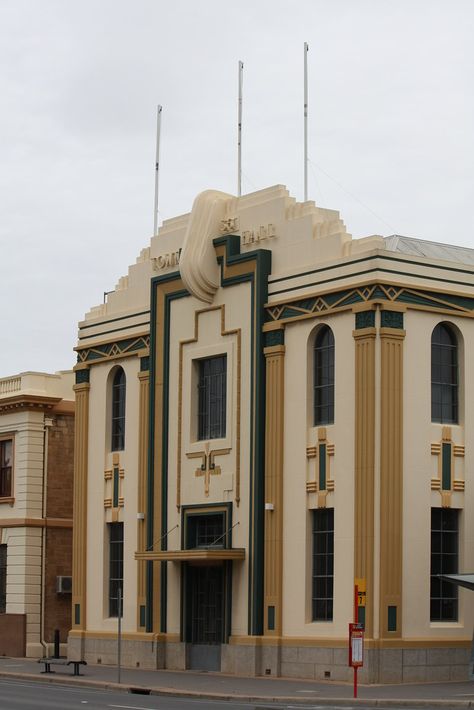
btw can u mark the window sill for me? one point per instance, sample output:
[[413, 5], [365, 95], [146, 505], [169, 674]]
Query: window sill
[[7, 499]]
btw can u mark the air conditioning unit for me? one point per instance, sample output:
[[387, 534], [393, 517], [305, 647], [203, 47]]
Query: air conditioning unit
[[63, 585]]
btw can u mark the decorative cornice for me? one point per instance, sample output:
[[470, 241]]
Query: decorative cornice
[[114, 349], [316, 305], [36, 523], [28, 402]]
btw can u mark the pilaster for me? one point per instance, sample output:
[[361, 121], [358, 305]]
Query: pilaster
[[364, 468], [143, 409], [274, 424], [391, 474], [79, 546]]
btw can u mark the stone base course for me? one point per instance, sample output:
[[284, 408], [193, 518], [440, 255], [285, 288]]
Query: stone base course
[[305, 662]]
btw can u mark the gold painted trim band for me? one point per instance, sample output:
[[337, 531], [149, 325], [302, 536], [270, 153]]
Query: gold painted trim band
[[192, 555], [35, 522]]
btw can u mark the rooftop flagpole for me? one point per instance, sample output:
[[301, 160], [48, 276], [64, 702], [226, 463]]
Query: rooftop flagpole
[[306, 121], [239, 131], [157, 168]]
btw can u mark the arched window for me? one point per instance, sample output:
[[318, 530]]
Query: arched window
[[444, 375], [118, 410], [324, 377]]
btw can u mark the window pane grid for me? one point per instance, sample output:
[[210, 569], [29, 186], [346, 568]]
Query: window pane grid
[[3, 579], [212, 398], [6, 453], [444, 376], [118, 411], [115, 566], [323, 565], [444, 560], [324, 377]]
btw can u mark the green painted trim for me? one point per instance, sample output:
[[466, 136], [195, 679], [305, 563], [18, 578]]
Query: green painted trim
[[209, 509], [446, 467], [113, 320], [274, 337], [259, 296], [271, 618], [142, 615], [155, 282], [391, 618], [169, 298], [144, 363], [322, 467], [82, 376], [339, 265], [77, 614], [228, 608], [378, 269], [374, 292], [150, 484], [116, 487], [114, 330], [118, 347], [365, 319], [391, 319]]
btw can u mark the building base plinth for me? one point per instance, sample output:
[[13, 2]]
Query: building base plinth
[[254, 658]]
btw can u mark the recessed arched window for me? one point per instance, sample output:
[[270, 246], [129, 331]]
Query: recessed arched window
[[444, 375], [324, 377], [118, 410]]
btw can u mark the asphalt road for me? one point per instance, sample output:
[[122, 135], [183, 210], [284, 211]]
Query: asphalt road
[[20, 695]]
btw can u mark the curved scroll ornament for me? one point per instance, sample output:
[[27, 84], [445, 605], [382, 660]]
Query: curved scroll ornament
[[197, 264]]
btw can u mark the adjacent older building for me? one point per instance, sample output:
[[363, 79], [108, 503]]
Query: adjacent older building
[[266, 411], [36, 477]]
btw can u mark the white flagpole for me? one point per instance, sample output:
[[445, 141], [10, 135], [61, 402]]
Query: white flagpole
[[157, 168], [239, 132], [306, 121]]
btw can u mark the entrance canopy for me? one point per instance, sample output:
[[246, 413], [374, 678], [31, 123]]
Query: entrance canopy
[[461, 580], [193, 555]]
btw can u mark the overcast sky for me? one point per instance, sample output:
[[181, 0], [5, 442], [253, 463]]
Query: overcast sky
[[390, 137]]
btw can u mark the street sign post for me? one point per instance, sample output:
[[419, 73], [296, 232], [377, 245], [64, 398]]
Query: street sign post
[[356, 632]]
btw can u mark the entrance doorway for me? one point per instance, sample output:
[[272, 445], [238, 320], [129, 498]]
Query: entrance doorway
[[205, 617], [205, 588]]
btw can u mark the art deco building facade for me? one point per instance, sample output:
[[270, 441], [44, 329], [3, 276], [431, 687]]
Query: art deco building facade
[[267, 410]]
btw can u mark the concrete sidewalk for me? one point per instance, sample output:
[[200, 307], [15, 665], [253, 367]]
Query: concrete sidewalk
[[218, 686]]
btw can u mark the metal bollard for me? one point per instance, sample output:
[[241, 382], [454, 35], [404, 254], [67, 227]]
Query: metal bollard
[[56, 643]]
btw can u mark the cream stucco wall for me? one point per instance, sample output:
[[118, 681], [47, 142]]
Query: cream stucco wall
[[222, 488], [299, 433], [420, 466], [100, 460]]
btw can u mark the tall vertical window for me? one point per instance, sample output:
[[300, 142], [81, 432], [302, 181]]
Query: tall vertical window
[[444, 560], [115, 567], [3, 578], [212, 397], [444, 375], [323, 564], [6, 464], [118, 410], [324, 377]]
